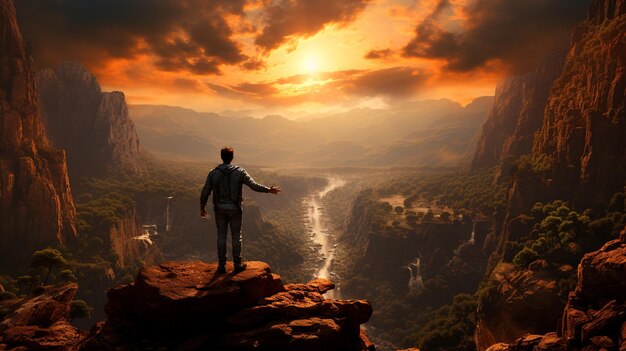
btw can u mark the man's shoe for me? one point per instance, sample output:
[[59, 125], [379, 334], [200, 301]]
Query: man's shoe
[[221, 269], [240, 267]]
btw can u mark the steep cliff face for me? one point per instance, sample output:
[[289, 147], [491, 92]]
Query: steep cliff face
[[36, 205], [91, 125], [585, 118], [581, 150], [129, 243], [517, 113]]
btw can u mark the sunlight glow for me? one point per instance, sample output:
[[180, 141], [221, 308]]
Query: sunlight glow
[[311, 64]]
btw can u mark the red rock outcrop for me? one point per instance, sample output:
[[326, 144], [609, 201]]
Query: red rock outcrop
[[585, 118], [187, 305], [41, 322], [36, 205], [595, 315], [523, 301], [93, 126], [517, 113], [128, 242]]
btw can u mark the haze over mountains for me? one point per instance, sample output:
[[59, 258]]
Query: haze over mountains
[[431, 133]]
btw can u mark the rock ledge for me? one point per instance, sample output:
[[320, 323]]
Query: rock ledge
[[189, 306]]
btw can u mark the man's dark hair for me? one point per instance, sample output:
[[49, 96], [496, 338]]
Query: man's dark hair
[[227, 154]]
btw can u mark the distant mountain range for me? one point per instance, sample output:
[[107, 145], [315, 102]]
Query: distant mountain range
[[418, 133]]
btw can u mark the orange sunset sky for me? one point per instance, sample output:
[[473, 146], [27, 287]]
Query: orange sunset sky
[[299, 55]]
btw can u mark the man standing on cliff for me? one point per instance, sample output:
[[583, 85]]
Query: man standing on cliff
[[226, 181]]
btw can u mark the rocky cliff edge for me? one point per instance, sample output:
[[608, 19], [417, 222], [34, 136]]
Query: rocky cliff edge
[[189, 306]]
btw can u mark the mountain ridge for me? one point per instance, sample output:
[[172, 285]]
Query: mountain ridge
[[374, 137]]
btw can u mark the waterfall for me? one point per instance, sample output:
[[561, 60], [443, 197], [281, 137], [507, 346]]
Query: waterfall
[[415, 275], [470, 242], [167, 214], [472, 239], [149, 230]]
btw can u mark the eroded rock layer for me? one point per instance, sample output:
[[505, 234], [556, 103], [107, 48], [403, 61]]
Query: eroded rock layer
[[36, 205]]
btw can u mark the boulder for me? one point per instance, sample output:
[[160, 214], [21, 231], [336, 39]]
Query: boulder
[[603, 342], [551, 342], [60, 336], [43, 310], [601, 273], [605, 321], [41, 322]]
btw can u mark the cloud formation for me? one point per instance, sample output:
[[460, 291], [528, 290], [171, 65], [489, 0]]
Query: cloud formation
[[378, 54], [303, 18], [197, 36], [191, 35], [180, 51], [390, 83], [517, 33]]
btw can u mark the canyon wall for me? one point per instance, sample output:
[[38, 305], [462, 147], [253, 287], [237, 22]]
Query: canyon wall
[[36, 205], [517, 112], [585, 118], [578, 155], [93, 126]]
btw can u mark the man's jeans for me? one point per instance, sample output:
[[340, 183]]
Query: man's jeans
[[222, 219]]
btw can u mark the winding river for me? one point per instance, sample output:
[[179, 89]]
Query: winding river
[[321, 234]]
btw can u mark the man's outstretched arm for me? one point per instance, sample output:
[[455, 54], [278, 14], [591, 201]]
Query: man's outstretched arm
[[247, 180], [204, 196]]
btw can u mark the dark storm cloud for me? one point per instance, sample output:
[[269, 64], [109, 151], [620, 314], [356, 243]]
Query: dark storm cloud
[[190, 35], [286, 18], [185, 35], [516, 32], [253, 65], [395, 82], [378, 54]]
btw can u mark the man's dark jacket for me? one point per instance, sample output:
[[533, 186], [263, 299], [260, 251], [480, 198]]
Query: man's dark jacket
[[226, 181]]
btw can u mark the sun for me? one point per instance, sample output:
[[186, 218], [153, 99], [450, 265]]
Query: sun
[[311, 64]]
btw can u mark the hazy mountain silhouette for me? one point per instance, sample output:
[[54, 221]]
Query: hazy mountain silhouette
[[430, 132]]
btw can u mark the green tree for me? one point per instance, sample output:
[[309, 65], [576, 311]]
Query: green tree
[[79, 309], [399, 209], [445, 215], [411, 219], [67, 275], [525, 257], [48, 259]]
